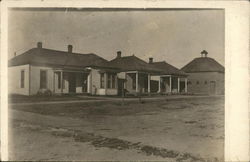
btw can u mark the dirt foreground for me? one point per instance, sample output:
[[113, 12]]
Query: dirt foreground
[[178, 130]]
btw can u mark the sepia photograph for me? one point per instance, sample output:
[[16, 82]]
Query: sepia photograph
[[116, 84]]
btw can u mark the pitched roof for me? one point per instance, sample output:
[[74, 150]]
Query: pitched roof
[[168, 69], [58, 58], [132, 63], [203, 64]]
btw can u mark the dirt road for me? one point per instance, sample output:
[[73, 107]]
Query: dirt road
[[175, 130]]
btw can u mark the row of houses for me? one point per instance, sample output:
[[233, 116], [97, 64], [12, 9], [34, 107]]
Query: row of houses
[[64, 72]]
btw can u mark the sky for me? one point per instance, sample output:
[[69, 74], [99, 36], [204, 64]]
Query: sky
[[174, 36]]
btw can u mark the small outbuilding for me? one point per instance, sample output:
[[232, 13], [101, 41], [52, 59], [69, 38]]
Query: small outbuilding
[[205, 75]]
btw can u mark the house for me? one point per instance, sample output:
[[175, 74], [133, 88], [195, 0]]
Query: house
[[61, 72], [135, 74], [205, 75], [170, 80]]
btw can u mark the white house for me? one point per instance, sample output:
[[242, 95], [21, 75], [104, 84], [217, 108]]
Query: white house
[[61, 72]]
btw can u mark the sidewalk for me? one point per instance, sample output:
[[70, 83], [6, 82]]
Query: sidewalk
[[89, 99]]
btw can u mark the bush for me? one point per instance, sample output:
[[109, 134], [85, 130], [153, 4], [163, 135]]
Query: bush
[[44, 92]]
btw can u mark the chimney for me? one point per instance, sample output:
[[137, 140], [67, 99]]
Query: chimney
[[119, 54], [150, 60], [39, 45], [14, 54], [70, 48]]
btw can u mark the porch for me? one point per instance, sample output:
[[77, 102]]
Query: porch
[[134, 82], [169, 84], [70, 82]]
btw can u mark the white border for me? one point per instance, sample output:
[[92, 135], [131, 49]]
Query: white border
[[236, 62]]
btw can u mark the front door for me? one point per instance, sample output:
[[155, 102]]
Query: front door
[[212, 87], [120, 86], [72, 83]]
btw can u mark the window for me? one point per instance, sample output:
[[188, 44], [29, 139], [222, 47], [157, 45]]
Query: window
[[59, 80], [189, 82], [197, 82], [43, 79], [205, 82], [109, 80], [22, 79], [113, 81], [102, 80]]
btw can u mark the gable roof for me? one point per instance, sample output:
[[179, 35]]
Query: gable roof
[[132, 63], [49, 57], [168, 69], [203, 64]]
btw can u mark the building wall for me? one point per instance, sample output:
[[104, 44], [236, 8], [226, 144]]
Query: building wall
[[95, 82], [200, 83], [35, 78], [165, 84], [14, 78], [130, 77]]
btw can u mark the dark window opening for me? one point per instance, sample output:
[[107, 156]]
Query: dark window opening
[[102, 80], [43, 79], [22, 79], [113, 81], [197, 82], [59, 80], [205, 82], [109, 80]]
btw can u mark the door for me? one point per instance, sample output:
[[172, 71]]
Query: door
[[182, 86], [212, 87], [72, 83], [120, 86]]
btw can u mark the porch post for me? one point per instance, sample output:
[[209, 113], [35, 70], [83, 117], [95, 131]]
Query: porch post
[[186, 85], [159, 85], [136, 82], [149, 78], [105, 82], [54, 81], [89, 84], [62, 82], [125, 84], [170, 83], [178, 86]]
